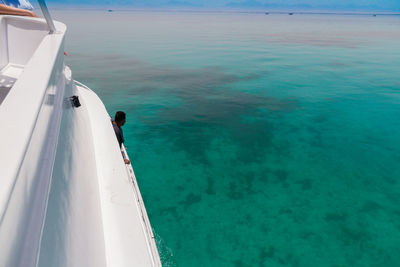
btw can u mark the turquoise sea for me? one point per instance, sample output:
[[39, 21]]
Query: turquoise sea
[[256, 140]]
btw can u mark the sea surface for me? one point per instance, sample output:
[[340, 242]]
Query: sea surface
[[257, 140]]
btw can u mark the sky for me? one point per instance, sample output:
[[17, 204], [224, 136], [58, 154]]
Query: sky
[[357, 5]]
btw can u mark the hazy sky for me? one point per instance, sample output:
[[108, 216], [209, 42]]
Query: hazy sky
[[384, 5]]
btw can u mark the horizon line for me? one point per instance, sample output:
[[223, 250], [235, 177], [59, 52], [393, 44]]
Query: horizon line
[[282, 10]]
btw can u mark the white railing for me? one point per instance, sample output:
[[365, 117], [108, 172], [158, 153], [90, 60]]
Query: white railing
[[139, 199]]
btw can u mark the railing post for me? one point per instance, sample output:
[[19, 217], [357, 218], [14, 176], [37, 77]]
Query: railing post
[[47, 16]]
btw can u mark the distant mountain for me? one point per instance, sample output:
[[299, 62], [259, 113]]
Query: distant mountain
[[392, 5], [248, 3], [256, 4], [377, 5], [180, 4]]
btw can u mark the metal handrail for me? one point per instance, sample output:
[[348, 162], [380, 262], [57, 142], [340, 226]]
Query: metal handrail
[[145, 218], [47, 16]]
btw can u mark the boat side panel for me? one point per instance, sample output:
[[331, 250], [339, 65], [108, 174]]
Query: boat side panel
[[23, 216], [23, 39], [73, 231], [21, 109], [125, 234], [33, 111]]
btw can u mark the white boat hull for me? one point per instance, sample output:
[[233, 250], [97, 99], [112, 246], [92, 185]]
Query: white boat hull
[[67, 198]]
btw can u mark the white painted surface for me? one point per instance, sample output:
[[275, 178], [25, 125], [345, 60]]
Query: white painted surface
[[31, 109], [66, 198], [21, 37], [3, 43], [12, 70], [94, 216], [126, 239], [73, 233]]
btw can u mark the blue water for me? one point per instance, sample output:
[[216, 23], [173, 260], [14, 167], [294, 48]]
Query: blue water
[[256, 140]]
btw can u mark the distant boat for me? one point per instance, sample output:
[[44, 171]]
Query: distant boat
[[374, 15], [266, 13], [110, 10], [290, 14]]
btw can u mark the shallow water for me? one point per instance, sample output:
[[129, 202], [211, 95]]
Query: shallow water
[[256, 140]]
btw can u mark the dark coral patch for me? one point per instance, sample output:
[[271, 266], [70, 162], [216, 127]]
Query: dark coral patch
[[190, 200]]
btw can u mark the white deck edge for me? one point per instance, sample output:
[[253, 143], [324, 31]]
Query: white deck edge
[[122, 208], [145, 217]]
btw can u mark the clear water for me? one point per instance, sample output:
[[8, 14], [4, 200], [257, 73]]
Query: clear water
[[257, 140]]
